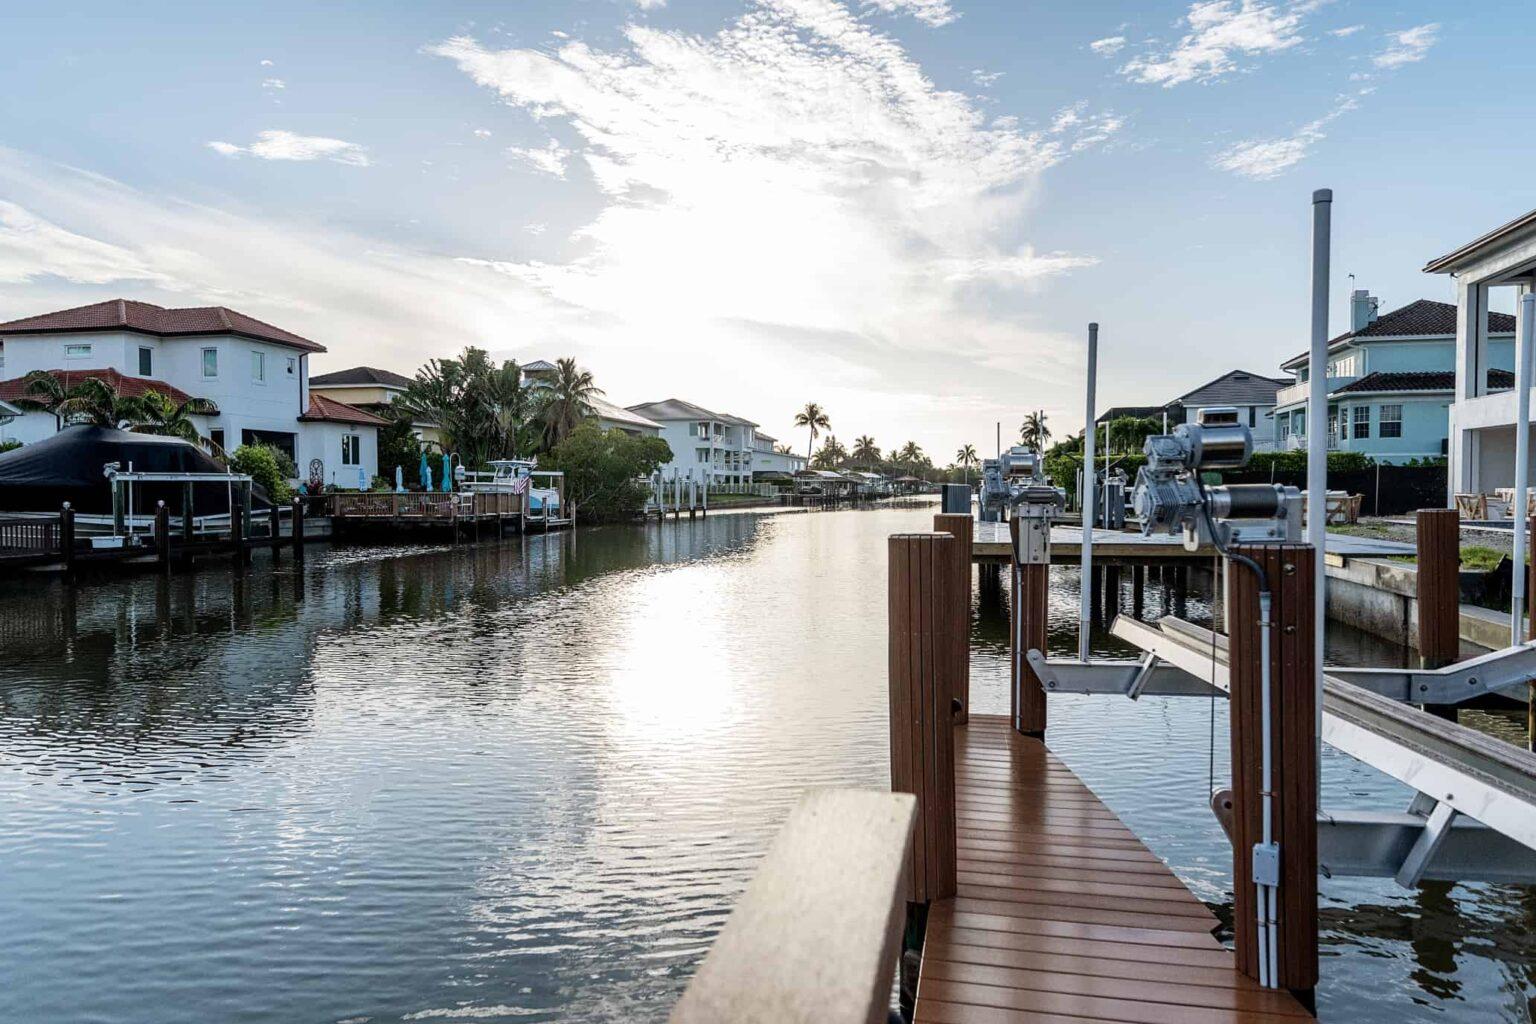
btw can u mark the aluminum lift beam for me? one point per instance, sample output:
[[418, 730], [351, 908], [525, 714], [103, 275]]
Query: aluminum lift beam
[[1476, 817]]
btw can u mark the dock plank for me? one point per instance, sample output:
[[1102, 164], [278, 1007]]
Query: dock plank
[[1063, 915]]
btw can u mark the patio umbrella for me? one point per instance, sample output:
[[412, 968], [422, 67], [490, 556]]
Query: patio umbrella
[[426, 473], [447, 474], [399, 480]]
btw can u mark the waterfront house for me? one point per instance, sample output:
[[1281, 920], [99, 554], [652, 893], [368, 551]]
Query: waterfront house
[[1252, 394], [1391, 380], [251, 379], [372, 390], [541, 373], [717, 447], [1494, 269], [770, 463]]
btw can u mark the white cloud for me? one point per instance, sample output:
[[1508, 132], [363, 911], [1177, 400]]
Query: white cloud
[[482, 133], [551, 159], [1346, 31], [1262, 159], [933, 12], [33, 248], [797, 184], [1108, 46], [266, 63], [650, 5], [276, 144], [1221, 32], [273, 83], [1407, 47], [985, 79]]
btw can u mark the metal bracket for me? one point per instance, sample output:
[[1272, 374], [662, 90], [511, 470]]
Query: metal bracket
[[1149, 663]]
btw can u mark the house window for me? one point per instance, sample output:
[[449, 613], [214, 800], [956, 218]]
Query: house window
[[1391, 421], [210, 362], [1253, 415], [351, 450], [1362, 421], [146, 362], [216, 435], [259, 367], [701, 429], [77, 351], [293, 366]]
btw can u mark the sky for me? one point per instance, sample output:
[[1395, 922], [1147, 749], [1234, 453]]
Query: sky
[[905, 210]]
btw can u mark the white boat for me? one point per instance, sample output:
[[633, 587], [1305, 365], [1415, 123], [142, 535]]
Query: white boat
[[544, 487]]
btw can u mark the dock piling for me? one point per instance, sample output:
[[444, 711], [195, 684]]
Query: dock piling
[[1029, 609], [163, 536], [298, 528], [67, 539], [1292, 717], [961, 527], [1438, 592], [921, 693]]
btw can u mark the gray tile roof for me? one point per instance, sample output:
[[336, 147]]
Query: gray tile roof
[[361, 376], [1236, 387], [677, 409], [1424, 318]]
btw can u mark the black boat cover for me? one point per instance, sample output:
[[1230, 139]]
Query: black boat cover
[[69, 467]]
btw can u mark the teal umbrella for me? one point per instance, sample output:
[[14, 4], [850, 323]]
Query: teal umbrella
[[399, 480], [447, 474], [426, 472]]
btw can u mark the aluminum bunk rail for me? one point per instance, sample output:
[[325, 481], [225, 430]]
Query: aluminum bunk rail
[[1475, 816]]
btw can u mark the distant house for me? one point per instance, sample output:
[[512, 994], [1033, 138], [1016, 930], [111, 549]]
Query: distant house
[[1391, 380], [1252, 394], [715, 447], [541, 373], [768, 462], [251, 378], [1482, 419], [372, 390]]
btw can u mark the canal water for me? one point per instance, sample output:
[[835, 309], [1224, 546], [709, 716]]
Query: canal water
[[525, 781]]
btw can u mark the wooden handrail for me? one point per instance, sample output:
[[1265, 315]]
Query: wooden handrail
[[816, 934]]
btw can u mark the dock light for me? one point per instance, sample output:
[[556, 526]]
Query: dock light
[[1170, 497]]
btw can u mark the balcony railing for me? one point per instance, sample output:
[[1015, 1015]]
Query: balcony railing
[[1301, 392]]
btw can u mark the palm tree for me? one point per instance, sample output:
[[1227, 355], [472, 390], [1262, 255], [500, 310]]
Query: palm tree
[[1033, 432], [815, 417], [865, 452], [831, 456], [966, 456], [91, 401], [160, 415], [508, 406], [569, 401]]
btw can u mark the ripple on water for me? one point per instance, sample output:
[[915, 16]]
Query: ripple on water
[[526, 781]]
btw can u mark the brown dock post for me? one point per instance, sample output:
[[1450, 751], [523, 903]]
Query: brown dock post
[[163, 536], [962, 528], [298, 528], [237, 529], [1293, 723], [1029, 610], [188, 526], [1438, 592], [275, 530], [1138, 590], [921, 672]]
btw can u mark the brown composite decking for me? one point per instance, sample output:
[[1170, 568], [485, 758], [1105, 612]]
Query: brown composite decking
[[1062, 915]]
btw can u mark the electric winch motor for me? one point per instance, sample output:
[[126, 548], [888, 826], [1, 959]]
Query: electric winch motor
[[1169, 497]]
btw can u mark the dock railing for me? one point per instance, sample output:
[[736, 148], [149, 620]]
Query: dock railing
[[26, 536], [816, 935]]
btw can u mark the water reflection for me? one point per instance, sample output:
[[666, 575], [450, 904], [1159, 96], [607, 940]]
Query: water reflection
[[526, 780]]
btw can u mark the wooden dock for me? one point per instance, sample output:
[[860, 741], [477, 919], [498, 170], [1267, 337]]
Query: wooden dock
[[991, 544], [1062, 916]]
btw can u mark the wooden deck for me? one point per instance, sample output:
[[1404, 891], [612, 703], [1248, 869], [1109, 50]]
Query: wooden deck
[[1062, 915], [990, 543]]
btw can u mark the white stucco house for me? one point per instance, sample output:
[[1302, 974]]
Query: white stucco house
[[251, 378], [715, 447], [1495, 269]]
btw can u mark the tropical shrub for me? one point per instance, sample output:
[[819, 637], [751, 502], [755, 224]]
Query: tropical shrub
[[268, 466], [606, 472]]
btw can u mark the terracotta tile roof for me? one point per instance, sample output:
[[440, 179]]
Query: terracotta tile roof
[[146, 318], [363, 376], [1422, 319], [128, 387], [328, 409], [1422, 380]]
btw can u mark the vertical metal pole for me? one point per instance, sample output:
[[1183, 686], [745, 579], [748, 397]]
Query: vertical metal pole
[[1317, 442], [1085, 609], [1522, 462]]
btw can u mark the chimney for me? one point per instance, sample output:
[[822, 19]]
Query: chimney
[[1362, 309]]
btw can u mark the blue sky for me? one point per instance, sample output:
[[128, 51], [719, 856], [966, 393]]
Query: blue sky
[[904, 209]]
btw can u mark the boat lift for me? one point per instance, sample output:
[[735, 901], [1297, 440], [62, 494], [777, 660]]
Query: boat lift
[[1473, 817]]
